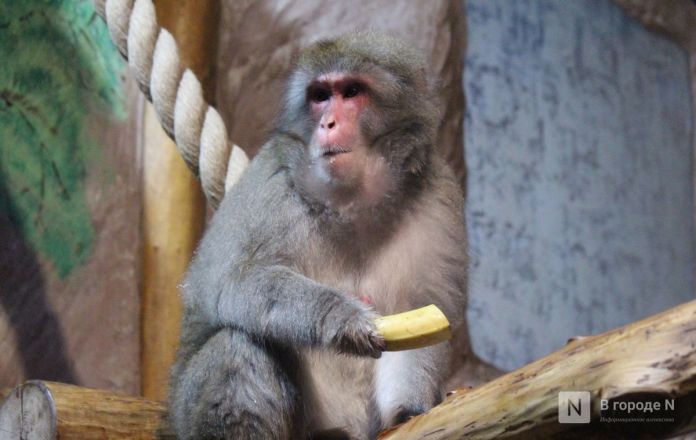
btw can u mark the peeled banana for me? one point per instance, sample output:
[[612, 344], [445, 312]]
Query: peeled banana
[[414, 329]]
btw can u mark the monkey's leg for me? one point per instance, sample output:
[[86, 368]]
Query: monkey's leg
[[408, 383], [233, 388]]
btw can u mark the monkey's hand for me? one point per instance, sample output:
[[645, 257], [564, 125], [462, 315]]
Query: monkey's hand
[[358, 334]]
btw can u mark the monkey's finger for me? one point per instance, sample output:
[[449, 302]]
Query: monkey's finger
[[378, 345], [414, 329]]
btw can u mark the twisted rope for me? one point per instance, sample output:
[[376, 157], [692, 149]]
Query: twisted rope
[[176, 93]]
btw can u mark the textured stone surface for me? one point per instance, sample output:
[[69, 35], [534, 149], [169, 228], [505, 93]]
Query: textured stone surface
[[674, 18], [259, 41], [578, 144]]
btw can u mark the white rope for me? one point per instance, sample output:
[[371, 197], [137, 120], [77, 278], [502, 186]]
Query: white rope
[[176, 94]]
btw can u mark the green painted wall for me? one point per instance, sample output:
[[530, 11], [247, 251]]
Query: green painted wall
[[58, 65]]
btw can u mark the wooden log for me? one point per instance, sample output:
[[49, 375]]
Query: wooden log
[[40, 410], [173, 204], [652, 360]]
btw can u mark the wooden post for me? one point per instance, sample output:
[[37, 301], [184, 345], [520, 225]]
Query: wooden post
[[173, 204], [653, 360], [40, 410]]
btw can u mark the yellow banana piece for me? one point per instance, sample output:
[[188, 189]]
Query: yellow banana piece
[[414, 329]]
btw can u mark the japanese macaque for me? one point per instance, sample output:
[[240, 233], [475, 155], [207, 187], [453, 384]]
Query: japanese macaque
[[347, 213]]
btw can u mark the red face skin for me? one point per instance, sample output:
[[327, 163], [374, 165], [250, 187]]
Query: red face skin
[[343, 171], [336, 104]]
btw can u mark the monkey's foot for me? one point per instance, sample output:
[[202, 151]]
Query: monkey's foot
[[406, 414]]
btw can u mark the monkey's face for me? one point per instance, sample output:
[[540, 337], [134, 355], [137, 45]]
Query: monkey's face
[[336, 102], [342, 166], [361, 111]]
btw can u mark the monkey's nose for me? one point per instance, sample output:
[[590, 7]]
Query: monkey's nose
[[329, 125]]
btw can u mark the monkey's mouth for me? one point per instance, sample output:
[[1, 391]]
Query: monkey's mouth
[[333, 150]]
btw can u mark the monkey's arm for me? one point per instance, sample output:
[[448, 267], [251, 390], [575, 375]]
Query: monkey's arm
[[277, 304]]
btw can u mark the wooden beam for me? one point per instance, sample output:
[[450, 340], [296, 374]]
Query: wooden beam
[[40, 410], [648, 361], [653, 360], [173, 204]]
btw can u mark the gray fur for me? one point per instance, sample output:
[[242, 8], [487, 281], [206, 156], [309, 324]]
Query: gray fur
[[275, 343]]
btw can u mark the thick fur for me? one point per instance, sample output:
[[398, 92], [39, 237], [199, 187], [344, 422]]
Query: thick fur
[[275, 343]]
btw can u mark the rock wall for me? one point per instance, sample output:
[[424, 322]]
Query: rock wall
[[580, 191]]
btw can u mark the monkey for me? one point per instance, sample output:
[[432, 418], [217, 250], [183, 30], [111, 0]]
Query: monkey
[[347, 213]]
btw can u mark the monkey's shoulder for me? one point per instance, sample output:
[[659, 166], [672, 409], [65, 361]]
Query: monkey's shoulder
[[260, 211]]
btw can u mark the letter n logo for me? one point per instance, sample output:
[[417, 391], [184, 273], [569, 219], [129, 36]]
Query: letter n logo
[[574, 407]]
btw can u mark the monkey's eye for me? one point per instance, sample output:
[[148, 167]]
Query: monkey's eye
[[352, 90], [319, 95]]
